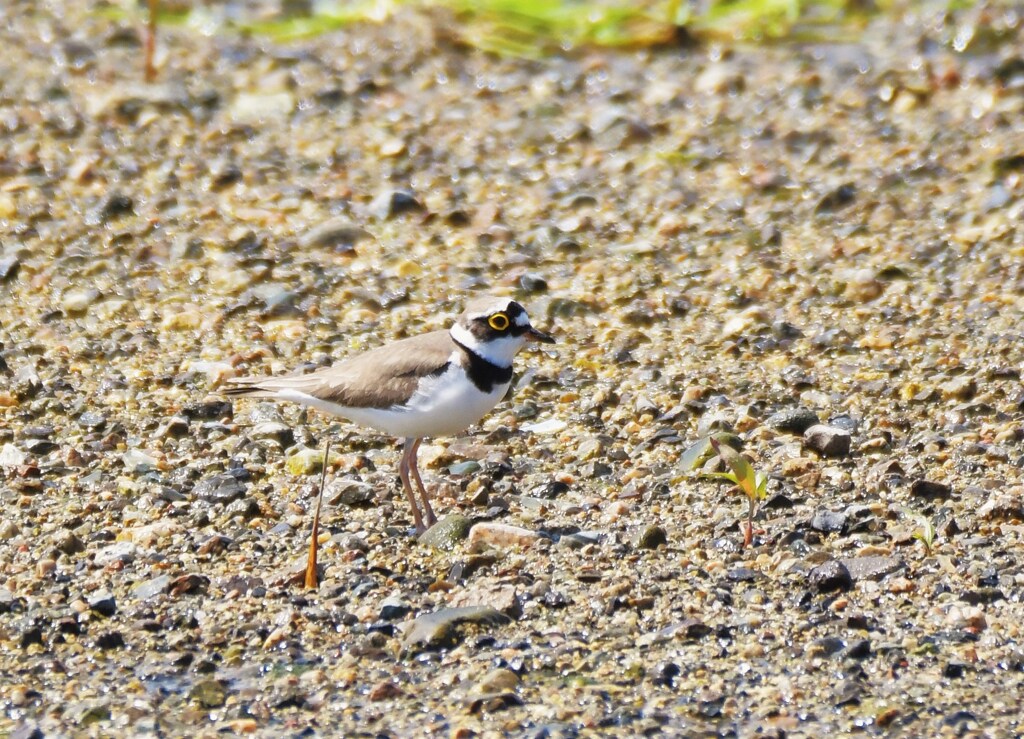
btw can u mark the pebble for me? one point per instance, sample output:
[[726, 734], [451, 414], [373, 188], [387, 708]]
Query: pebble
[[441, 628], [828, 440], [830, 576], [447, 533], [501, 536], [220, 488], [652, 537], [792, 420]]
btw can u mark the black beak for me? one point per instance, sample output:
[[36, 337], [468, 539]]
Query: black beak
[[533, 334]]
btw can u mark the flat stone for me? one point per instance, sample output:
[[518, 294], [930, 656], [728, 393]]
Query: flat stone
[[502, 598], [445, 627], [828, 522], [930, 490], [221, 488], [830, 576], [502, 535], [339, 234], [871, 568], [792, 420], [651, 537], [828, 441], [446, 534]]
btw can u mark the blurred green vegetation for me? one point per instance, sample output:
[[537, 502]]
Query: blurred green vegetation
[[534, 28]]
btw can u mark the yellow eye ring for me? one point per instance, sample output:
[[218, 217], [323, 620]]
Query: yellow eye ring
[[499, 322]]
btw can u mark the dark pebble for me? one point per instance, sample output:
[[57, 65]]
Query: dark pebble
[[742, 574], [837, 199], [828, 522], [103, 604], [860, 649], [211, 410], [550, 490], [983, 596], [830, 576], [792, 420], [391, 204], [953, 670], [219, 489], [116, 205], [930, 490], [664, 673], [31, 635], [651, 538]]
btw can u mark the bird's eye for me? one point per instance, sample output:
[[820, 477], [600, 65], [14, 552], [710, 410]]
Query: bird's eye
[[499, 321]]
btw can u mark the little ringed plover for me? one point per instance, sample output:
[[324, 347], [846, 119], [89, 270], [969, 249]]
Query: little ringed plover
[[434, 384]]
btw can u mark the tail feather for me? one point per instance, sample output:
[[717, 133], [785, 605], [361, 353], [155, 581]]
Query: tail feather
[[250, 386]]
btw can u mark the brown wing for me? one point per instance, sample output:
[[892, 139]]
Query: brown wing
[[379, 378]]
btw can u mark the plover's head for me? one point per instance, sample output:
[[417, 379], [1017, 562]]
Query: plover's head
[[496, 329]]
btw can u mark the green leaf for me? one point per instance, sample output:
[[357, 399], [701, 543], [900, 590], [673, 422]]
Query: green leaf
[[746, 477]]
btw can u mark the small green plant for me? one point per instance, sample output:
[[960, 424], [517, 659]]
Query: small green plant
[[925, 532], [742, 474]]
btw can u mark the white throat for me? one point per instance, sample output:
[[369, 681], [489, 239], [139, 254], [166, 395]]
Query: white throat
[[499, 352]]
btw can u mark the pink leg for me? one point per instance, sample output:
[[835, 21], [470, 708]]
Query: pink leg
[[409, 454], [431, 518]]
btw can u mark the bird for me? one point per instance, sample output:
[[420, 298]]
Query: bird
[[432, 384]]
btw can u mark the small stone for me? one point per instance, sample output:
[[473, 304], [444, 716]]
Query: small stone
[[209, 693], [504, 599], [9, 267], [825, 646], [92, 420], [110, 640], [963, 387], [338, 234], [830, 576], [256, 107], [153, 587], [446, 534], [651, 537], [174, 427], [444, 628], [123, 552], [77, 301], [837, 199], [11, 456], [498, 680], [930, 490], [871, 568], [792, 420], [828, 522], [280, 434], [393, 608], [384, 690], [31, 635], [68, 543], [219, 489], [103, 603], [502, 535], [114, 206], [351, 493], [390, 204], [828, 440], [305, 462], [137, 461], [45, 567], [8, 530]]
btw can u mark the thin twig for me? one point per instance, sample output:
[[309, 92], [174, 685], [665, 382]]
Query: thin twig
[[150, 47], [312, 580]]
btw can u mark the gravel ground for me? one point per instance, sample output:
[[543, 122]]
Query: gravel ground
[[814, 250]]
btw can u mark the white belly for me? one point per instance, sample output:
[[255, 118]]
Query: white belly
[[443, 406]]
